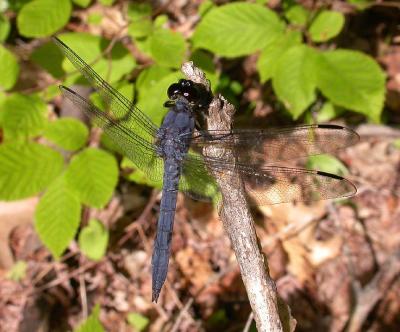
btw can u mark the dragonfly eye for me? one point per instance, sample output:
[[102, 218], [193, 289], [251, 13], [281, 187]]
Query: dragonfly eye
[[183, 88]]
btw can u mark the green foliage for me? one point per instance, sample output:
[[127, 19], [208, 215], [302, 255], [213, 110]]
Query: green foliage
[[68, 133], [297, 15], [82, 3], [4, 27], [329, 112], [95, 18], [149, 99], [326, 25], [396, 143], [93, 175], [23, 116], [294, 79], [327, 163], [90, 49], [41, 18], [92, 323], [41, 57], [93, 240], [9, 69], [17, 271], [237, 29], [27, 169], [138, 176], [352, 80], [57, 216], [271, 54], [168, 48], [107, 2], [138, 321]]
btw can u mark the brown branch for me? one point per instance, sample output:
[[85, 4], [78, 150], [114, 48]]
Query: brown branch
[[368, 297], [269, 313]]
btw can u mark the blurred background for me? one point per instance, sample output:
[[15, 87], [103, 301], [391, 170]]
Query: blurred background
[[77, 219]]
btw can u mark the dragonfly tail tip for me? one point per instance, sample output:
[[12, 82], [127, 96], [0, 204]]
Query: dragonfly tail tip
[[155, 295]]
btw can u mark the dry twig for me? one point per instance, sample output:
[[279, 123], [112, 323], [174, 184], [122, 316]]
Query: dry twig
[[269, 313]]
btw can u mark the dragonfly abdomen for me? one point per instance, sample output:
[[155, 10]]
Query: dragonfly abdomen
[[165, 226]]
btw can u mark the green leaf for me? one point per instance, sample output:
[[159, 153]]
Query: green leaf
[[271, 54], [297, 15], [23, 116], [27, 169], [168, 48], [205, 7], [237, 29], [138, 321], [361, 4], [204, 61], [138, 11], [140, 28], [93, 240], [95, 18], [396, 143], [41, 18], [326, 25], [92, 323], [138, 176], [329, 112], [68, 133], [294, 80], [57, 217], [352, 80], [90, 48], [48, 51], [4, 27], [17, 271], [9, 69], [106, 2], [326, 163], [82, 3], [150, 76], [151, 100], [93, 174]]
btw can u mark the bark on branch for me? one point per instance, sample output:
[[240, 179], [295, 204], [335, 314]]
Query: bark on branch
[[270, 313]]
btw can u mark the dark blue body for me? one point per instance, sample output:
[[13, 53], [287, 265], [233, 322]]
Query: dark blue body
[[173, 146]]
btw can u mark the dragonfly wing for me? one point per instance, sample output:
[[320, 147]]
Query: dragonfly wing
[[273, 184], [195, 180], [120, 106], [260, 147], [138, 150]]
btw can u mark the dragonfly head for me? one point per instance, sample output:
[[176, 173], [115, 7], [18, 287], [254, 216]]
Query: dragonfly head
[[195, 93]]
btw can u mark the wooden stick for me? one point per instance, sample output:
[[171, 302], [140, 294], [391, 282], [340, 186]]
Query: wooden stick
[[269, 313]]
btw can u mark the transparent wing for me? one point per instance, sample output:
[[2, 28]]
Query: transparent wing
[[138, 150], [259, 147], [123, 109], [270, 184]]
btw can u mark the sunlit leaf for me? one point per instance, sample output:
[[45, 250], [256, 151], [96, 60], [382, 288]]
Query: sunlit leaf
[[27, 169], [326, 25], [40, 18], [272, 53], [93, 174], [168, 48], [9, 69], [352, 80], [68, 133], [57, 217], [294, 79], [93, 240], [92, 323], [237, 29]]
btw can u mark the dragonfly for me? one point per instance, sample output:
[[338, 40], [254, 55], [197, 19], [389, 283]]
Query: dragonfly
[[171, 153]]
